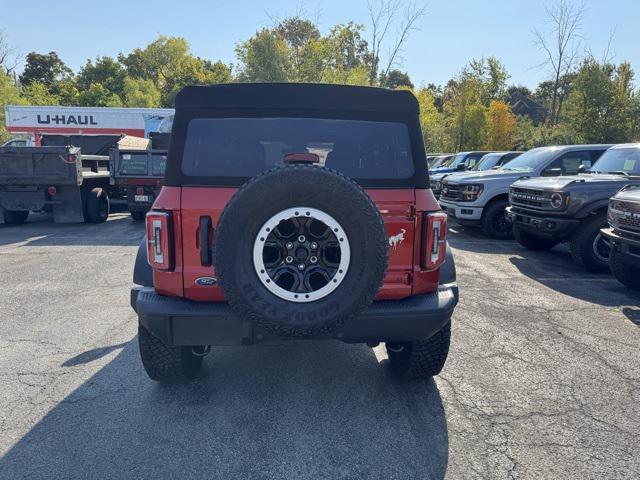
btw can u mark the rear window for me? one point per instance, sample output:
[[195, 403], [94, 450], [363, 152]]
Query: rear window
[[244, 147]]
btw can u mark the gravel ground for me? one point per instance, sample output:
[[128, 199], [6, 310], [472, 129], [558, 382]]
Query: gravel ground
[[543, 380]]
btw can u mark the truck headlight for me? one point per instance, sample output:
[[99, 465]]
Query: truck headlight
[[471, 192], [557, 200]]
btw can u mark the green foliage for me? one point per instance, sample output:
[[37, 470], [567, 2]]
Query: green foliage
[[395, 79], [138, 92], [601, 105], [98, 96], [36, 93], [9, 95], [106, 71], [46, 69]]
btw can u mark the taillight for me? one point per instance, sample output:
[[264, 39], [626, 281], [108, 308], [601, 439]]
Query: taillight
[[434, 240], [52, 191], [140, 191], [71, 159], [160, 240]]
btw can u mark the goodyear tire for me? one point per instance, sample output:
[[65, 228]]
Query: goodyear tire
[[494, 224], [624, 272], [422, 359], [589, 247], [532, 242], [300, 250], [166, 363]]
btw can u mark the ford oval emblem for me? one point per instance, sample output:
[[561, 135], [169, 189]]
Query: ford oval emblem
[[206, 281]]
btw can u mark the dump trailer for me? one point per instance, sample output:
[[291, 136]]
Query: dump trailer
[[61, 179], [139, 173]]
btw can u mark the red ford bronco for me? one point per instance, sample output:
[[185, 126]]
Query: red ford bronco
[[294, 211]]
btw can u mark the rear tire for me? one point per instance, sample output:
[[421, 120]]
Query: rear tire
[[533, 242], [15, 217], [422, 359], [494, 223], [97, 205], [138, 216], [587, 247], [165, 363], [625, 273]]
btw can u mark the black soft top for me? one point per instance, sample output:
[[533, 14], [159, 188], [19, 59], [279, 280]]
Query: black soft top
[[294, 100], [298, 96]]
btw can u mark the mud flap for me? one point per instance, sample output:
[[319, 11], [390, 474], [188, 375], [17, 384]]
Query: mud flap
[[69, 206]]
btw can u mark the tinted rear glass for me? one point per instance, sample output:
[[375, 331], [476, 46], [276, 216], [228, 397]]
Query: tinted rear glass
[[244, 147]]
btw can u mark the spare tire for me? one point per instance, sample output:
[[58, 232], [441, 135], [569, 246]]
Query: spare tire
[[300, 250]]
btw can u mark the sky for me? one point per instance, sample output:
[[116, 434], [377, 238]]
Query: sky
[[451, 33]]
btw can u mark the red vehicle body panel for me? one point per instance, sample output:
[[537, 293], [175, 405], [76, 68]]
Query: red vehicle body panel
[[401, 210]]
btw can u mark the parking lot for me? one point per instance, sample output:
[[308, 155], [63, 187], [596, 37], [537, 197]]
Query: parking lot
[[543, 380]]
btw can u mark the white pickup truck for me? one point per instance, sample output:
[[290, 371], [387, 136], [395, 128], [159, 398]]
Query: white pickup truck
[[480, 198]]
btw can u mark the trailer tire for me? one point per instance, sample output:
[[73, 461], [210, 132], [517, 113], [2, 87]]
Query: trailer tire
[[97, 205], [15, 217]]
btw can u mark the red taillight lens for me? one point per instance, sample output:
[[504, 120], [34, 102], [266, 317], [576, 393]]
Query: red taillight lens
[[71, 159], [140, 191], [52, 191], [159, 240], [434, 240]]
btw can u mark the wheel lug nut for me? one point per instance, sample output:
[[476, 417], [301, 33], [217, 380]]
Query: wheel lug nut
[[289, 245], [313, 259], [289, 259], [314, 245], [302, 239], [301, 266]]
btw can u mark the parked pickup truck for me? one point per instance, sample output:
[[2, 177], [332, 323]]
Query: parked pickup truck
[[547, 211], [139, 173], [489, 161], [480, 198], [624, 236], [72, 185]]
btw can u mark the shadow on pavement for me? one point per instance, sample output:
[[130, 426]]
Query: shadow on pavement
[[91, 355], [119, 230], [285, 410]]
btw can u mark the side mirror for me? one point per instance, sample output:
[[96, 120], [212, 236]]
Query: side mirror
[[461, 167], [583, 168], [552, 172]]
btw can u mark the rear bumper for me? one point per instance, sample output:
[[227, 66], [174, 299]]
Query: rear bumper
[[177, 321], [544, 226], [629, 247]]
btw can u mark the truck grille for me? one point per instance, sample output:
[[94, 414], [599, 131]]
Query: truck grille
[[528, 197], [624, 215], [451, 191]]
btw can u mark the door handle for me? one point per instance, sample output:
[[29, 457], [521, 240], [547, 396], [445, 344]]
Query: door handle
[[203, 236]]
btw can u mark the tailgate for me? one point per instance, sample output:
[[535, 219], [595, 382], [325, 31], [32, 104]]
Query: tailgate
[[396, 207], [138, 167], [39, 166]]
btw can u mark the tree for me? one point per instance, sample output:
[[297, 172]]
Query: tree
[[106, 71], [98, 96], [601, 105], [36, 93], [138, 92], [500, 126], [431, 122], [263, 58], [8, 56], [560, 46], [383, 17], [46, 69], [170, 65], [9, 95], [395, 79]]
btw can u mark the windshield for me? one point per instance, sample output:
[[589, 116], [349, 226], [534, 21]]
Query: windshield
[[244, 147], [456, 160], [488, 161], [531, 159], [625, 161]]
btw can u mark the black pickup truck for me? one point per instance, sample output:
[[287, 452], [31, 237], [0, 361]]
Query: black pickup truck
[[624, 236], [547, 211]]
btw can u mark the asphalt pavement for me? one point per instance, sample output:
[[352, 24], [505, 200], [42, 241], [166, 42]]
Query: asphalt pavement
[[543, 378]]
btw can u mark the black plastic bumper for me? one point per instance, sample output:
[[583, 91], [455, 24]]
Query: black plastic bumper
[[177, 321], [545, 226], [626, 245]]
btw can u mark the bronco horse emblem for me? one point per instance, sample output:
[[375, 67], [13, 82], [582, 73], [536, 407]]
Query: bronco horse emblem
[[395, 240]]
